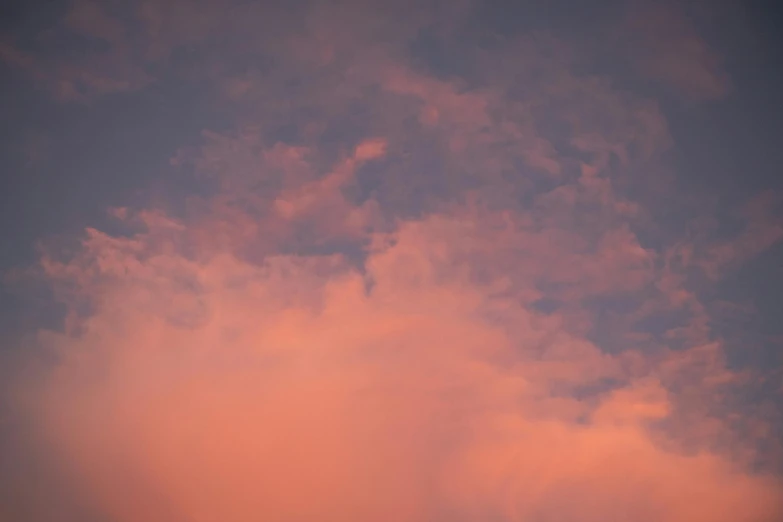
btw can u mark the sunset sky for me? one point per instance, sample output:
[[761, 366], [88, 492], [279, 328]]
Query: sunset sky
[[391, 261]]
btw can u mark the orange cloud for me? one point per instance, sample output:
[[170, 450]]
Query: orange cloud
[[215, 388], [314, 339]]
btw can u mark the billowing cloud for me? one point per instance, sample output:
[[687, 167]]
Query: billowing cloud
[[394, 293], [200, 388]]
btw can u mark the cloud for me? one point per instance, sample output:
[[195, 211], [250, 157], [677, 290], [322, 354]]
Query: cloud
[[763, 229], [80, 79], [213, 388], [391, 293], [663, 44]]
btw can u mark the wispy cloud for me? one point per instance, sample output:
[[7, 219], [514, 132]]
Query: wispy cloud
[[664, 45]]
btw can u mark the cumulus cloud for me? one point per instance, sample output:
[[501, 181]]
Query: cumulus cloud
[[431, 299], [213, 388]]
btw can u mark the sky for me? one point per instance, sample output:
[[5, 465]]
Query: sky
[[416, 261]]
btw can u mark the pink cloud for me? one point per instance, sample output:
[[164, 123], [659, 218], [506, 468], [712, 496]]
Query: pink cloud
[[293, 392], [295, 345], [666, 47]]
